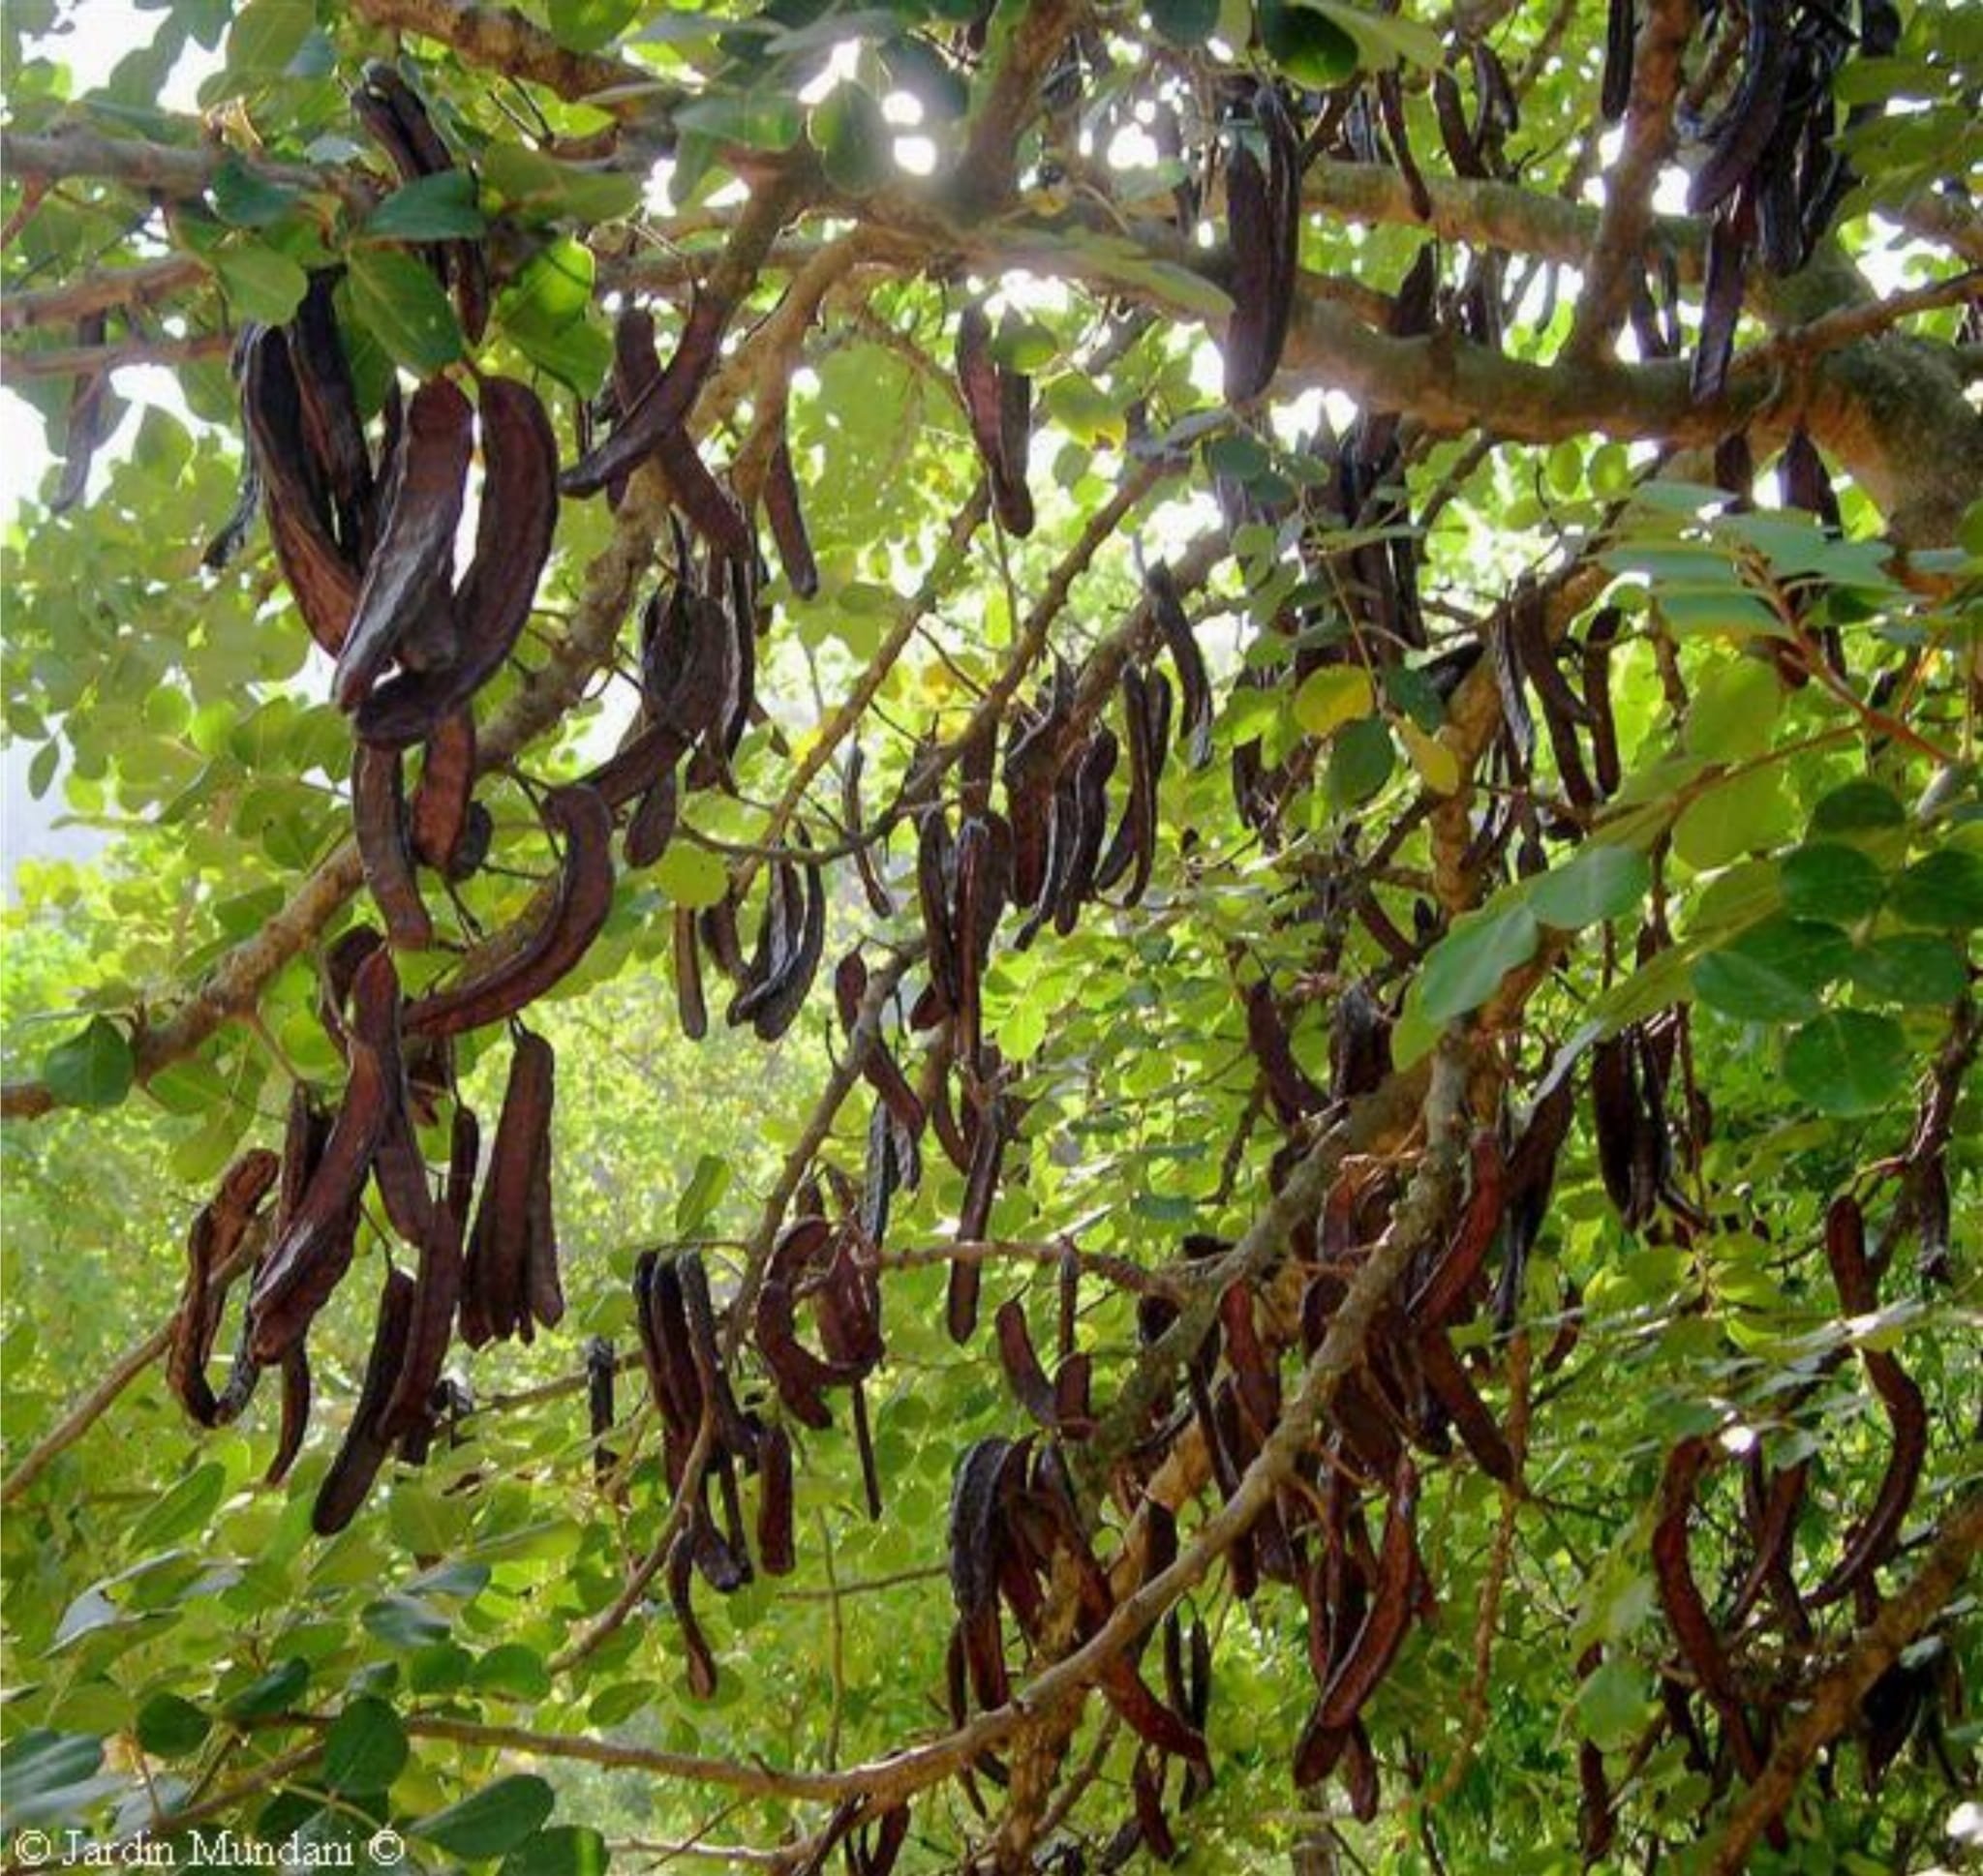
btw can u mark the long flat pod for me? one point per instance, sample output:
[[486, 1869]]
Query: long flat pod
[[513, 530], [787, 520], [439, 815], [314, 1249], [217, 1232], [378, 819], [496, 1276], [322, 578], [583, 896], [332, 427], [424, 494], [364, 1448], [662, 402]]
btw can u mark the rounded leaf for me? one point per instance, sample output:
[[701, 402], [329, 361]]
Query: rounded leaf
[[1848, 1062]]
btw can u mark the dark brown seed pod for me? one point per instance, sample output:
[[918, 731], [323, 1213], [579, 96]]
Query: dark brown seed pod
[[211, 1243], [438, 817], [1391, 106], [1445, 1291], [690, 1005], [1454, 133], [1738, 138], [496, 1284], [1028, 1380], [1194, 687], [378, 819], [879, 900], [414, 552], [513, 530], [787, 520], [1264, 222], [1383, 1629], [775, 1553], [321, 577], [1621, 32], [661, 400], [1729, 237], [1289, 1088], [705, 1348], [295, 1414], [333, 430], [583, 899], [652, 823], [364, 1448], [701, 1660], [314, 1249], [1447, 1380]]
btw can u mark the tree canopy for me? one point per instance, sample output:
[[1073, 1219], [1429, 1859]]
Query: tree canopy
[[1036, 936]]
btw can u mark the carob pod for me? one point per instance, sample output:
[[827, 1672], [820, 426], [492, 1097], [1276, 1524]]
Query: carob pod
[[312, 1252], [997, 404], [701, 1660], [216, 1234], [1439, 1298], [1195, 688], [1596, 659], [438, 821], [1291, 1092], [879, 900], [690, 1003], [775, 1553], [513, 530], [704, 1349], [415, 555], [1391, 106], [774, 1006], [661, 400], [1620, 33], [1133, 850], [583, 896], [1740, 134], [981, 1187], [1875, 1538], [1730, 236], [975, 1549], [496, 1287], [1092, 766], [600, 1369], [322, 578], [1263, 226], [1446, 1378], [365, 1447], [295, 1414], [878, 1067], [1381, 1632], [378, 819], [788, 522]]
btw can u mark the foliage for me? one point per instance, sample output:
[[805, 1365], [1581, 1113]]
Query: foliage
[[1410, 931]]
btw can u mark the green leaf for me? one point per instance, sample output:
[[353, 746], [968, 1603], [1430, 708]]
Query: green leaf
[[1734, 715], [182, 1510], [266, 35], [586, 25], [1746, 813], [703, 1194], [1465, 968], [492, 1821], [40, 1766], [529, 181], [93, 1069], [1332, 695], [169, 1727], [366, 1747], [1305, 44], [1360, 761], [1184, 22], [547, 314], [1598, 883], [856, 147], [1848, 1062], [757, 120], [1775, 972], [564, 1850], [1943, 892], [405, 309], [404, 1621], [1614, 1704], [1383, 40], [430, 208], [1830, 880], [243, 199], [690, 875], [1910, 967], [513, 1669], [1859, 807], [261, 282], [273, 1692]]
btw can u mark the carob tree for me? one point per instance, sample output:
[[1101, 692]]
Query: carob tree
[[1352, 760]]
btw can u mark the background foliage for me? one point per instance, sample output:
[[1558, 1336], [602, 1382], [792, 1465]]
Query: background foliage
[[1794, 861]]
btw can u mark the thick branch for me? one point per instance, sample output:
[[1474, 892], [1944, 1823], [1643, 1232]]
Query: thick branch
[[1617, 253], [1836, 1699], [499, 38], [106, 291]]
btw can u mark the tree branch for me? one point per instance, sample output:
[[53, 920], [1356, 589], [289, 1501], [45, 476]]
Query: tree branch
[[1617, 253], [502, 39], [102, 291], [1833, 1702]]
